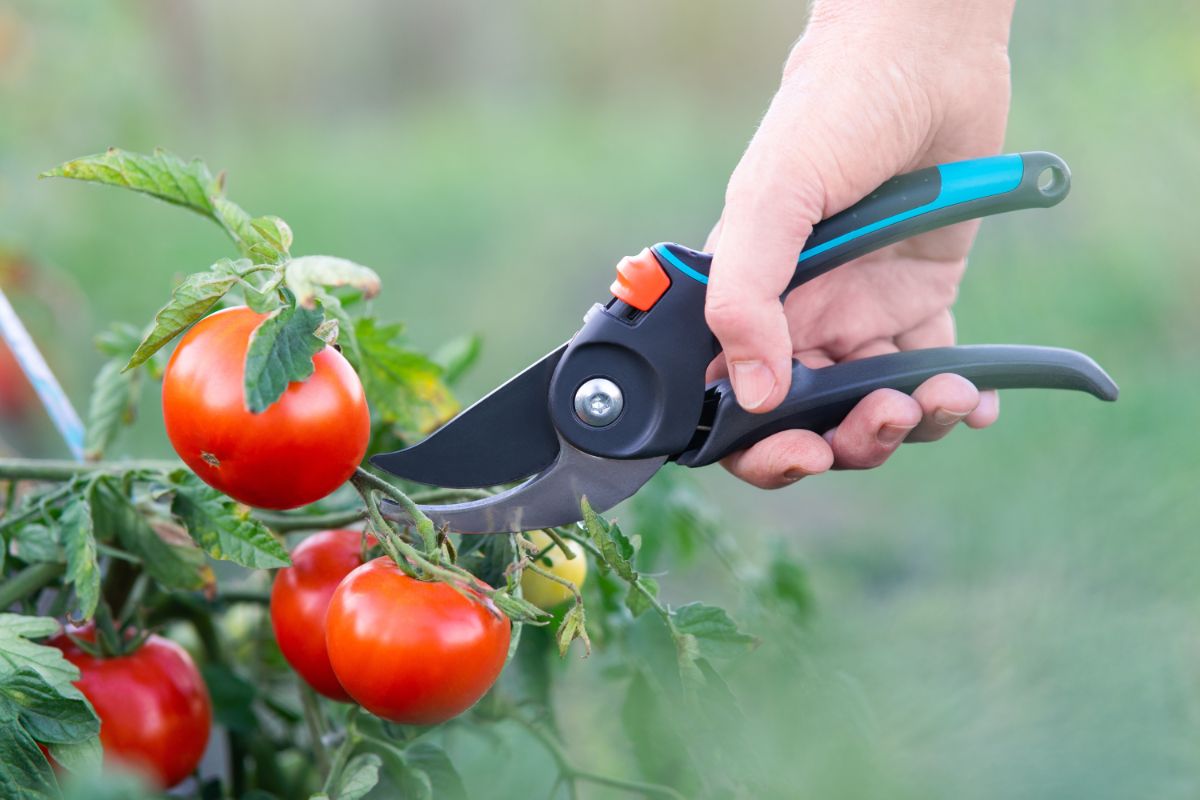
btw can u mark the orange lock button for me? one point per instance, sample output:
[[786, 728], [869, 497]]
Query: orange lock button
[[641, 280]]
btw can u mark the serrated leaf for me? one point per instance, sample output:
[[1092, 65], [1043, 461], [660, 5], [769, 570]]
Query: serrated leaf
[[327, 331], [113, 403], [616, 550], [687, 653], [307, 274], [17, 652], [79, 757], [403, 386], [447, 784], [572, 627], [717, 634], [161, 174], [221, 528], [412, 783], [456, 356], [190, 301], [44, 712], [79, 542], [359, 777], [242, 229], [36, 544], [636, 601], [24, 771], [274, 232], [280, 352], [119, 340], [114, 517]]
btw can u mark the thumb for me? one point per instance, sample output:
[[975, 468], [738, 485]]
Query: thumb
[[815, 151]]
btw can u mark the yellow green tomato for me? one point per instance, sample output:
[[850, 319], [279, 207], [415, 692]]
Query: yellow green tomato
[[543, 592]]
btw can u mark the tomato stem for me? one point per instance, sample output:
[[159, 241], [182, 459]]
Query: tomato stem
[[286, 523], [27, 581], [316, 727], [49, 469]]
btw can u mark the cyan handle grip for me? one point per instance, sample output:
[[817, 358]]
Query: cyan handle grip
[[908, 205]]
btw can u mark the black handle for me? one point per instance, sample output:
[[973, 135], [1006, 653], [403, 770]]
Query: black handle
[[912, 204], [819, 399]]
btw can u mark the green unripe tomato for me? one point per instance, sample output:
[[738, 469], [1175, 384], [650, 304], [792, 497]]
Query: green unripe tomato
[[543, 592]]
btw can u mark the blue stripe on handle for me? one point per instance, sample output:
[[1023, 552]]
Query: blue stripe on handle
[[659, 250], [962, 182]]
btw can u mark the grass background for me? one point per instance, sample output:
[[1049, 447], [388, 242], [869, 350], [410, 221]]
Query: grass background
[[1012, 613]]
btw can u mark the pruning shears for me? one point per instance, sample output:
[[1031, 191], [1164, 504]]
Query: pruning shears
[[599, 415]]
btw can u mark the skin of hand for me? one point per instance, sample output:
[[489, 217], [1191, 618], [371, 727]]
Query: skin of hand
[[873, 89]]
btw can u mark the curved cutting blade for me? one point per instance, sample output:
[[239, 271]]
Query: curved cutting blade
[[504, 437], [549, 499]]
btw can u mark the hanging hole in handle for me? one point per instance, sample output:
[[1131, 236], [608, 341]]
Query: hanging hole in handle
[[1052, 182]]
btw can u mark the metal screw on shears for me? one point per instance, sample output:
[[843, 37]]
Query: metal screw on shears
[[598, 402]]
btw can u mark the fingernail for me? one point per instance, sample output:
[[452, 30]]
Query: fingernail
[[753, 383], [944, 418], [892, 434], [795, 473]]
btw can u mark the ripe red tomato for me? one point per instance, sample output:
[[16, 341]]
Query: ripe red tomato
[[155, 714], [412, 651], [299, 598], [300, 449]]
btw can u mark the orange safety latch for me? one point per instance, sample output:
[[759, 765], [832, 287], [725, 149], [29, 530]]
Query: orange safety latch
[[641, 280]]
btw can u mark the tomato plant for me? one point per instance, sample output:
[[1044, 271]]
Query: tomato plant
[[300, 597], [297, 451], [153, 706], [411, 651], [281, 382]]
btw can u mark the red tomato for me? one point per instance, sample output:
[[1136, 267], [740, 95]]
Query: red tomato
[[300, 449], [300, 597], [154, 709], [412, 651]]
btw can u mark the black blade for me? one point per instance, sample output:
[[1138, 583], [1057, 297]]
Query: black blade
[[547, 500], [504, 437]]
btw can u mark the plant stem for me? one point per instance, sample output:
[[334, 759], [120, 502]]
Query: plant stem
[[433, 495], [343, 753], [36, 508], [285, 523], [316, 730], [26, 582], [572, 773], [38, 469], [423, 523], [655, 603]]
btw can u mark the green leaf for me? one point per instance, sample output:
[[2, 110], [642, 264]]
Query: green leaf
[[572, 627], [305, 275], [113, 403], [221, 528], [163, 175], [687, 656], [80, 757], [456, 356], [403, 387], [412, 782], [114, 517], [616, 550], [717, 634], [281, 351], [190, 301], [636, 601], [79, 542], [184, 183], [359, 777], [447, 784], [36, 544], [46, 714], [786, 585], [232, 697], [17, 652], [24, 771]]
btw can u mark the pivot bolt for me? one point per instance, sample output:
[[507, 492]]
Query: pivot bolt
[[598, 402]]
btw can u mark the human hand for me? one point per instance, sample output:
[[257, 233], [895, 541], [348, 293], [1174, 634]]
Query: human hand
[[873, 89]]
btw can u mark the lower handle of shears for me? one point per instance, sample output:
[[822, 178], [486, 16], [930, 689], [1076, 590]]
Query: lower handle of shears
[[819, 399]]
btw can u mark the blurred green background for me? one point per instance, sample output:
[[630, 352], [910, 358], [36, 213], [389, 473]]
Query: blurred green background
[[1013, 613]]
